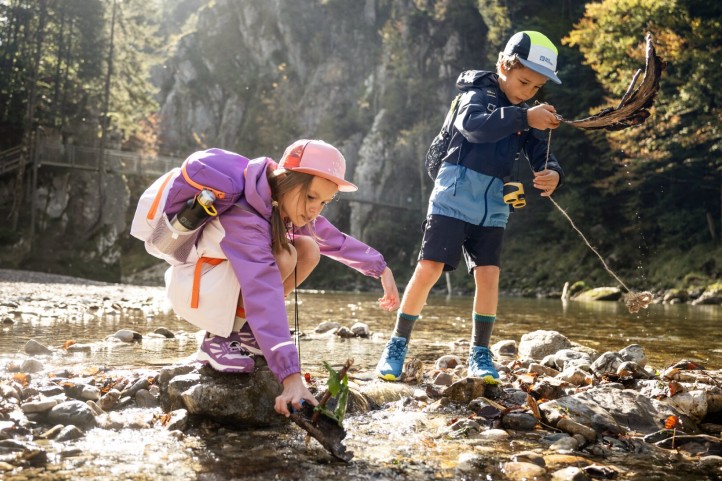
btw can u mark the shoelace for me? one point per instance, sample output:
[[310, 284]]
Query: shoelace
[[396, 349], [483, 358]]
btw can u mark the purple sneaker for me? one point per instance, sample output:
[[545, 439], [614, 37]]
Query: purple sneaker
[[248, 340], [225, 354]]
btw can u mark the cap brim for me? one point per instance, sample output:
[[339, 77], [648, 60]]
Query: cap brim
[[549, 73], [343, 185]]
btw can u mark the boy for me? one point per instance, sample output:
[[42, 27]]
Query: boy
[[466, 208]]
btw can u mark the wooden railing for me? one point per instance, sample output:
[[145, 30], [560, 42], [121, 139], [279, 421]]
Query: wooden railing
[[10, 159]]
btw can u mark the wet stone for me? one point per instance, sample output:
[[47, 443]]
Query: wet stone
[[32, 366], [519, 421], [69, 433], [571, 473], [33, 347], [167, 333], [144, 399], [72, 412]]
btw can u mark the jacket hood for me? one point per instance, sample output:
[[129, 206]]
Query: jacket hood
[[476, 79], [257, 191]]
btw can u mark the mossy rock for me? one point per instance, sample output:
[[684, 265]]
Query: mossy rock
[[711, 295], [600, 294]]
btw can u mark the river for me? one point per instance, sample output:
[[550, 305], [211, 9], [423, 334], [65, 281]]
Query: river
[[401, 442]]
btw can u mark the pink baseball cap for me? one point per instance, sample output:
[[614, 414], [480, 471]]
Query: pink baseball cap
[[318, 158]]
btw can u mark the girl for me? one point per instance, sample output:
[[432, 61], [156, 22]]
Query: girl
[[242, 264]]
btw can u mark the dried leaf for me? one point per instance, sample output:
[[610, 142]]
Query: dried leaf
[[68, 343], [675, 388], [22, 378], [672, 422], [531, 402]]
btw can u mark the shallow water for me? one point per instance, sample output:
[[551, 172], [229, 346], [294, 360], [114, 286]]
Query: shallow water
[[667, 333], [398, 442]]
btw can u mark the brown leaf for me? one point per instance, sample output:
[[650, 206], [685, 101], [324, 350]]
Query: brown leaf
[[67, 344], [531, 402], [675, 388]]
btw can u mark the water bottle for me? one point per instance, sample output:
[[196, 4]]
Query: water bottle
[[196, 210]]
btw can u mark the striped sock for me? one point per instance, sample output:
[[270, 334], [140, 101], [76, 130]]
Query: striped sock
[[404, 325], [481, 329]]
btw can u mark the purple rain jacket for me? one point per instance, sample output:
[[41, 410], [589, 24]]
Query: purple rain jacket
[[241, 233]]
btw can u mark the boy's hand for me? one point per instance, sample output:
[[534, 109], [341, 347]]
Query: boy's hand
[[542, 117], [546, 180]]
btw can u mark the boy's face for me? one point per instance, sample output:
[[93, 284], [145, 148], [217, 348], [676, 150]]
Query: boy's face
[[520, 84]]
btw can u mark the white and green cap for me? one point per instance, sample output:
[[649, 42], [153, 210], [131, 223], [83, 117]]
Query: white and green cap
[[536, 52]]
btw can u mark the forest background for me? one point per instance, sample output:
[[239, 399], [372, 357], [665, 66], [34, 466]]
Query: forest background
[[374, 77]]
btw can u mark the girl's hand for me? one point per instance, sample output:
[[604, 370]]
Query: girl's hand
[[390, 301], [546, 180], [294, 391]]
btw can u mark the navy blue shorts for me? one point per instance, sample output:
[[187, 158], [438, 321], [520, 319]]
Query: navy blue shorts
[[445, 238]]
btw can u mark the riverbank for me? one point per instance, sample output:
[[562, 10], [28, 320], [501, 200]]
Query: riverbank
[[98, 407]]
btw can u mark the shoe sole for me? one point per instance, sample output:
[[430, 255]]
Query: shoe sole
[[387, 377], [204, 358]]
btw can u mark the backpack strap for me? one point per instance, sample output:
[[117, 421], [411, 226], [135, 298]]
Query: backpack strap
[[156, 201], [195, 292], [219, 194]]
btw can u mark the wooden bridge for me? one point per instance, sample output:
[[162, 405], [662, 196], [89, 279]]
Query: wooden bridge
[[131, 163]]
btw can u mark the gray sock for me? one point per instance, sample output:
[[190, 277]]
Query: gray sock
[[404, 325], [481, 329]]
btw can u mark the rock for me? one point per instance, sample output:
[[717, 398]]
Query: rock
[[711, 295], [164, 332], [465, 390], [144, 399], [470, 462], [571, 358], [571, 473], [31, 366], [33, 347], [344, 332], [571, 427], [126, 335], [634, 370], [90, 393], [360, 329], [506, 348], [519, 421], [537, 344], [519, 471], [448, 361], [634, 353], [39, 406], [599, 294], [73, 412], [607, 363], [529, 457], [443, 379], [234, 399], [327, 326], [109, 400], [68, 433]]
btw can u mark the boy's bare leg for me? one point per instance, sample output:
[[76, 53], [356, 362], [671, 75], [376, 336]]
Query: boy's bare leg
[[417, 291], [486, 295]]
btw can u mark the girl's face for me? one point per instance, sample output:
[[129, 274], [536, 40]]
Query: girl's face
[[301, 207], [520, 84]]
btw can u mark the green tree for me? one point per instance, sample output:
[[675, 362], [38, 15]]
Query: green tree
[[668, 174]]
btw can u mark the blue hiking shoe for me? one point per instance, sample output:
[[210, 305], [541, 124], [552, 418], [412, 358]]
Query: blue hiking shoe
[[481, 364], [392, 359]]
